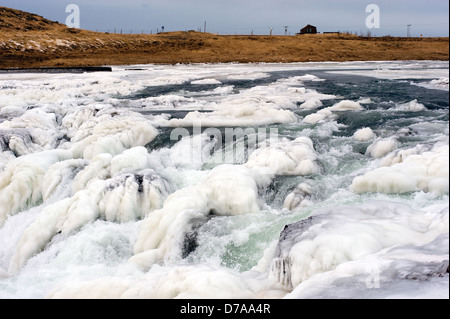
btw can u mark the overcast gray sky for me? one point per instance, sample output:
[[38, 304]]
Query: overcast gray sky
[[427, 17]]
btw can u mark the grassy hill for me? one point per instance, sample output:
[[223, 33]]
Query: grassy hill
[[29, 40]]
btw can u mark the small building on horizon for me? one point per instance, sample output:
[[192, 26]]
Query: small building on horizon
[[309, 29]]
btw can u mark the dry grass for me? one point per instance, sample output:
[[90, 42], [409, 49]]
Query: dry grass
[[31, 41]]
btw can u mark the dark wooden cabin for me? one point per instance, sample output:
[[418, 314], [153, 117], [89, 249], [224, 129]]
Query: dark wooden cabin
[[309, 29]]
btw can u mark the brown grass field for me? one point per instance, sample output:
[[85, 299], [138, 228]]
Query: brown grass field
[[28, 40]]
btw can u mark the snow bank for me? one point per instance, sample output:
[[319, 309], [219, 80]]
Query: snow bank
[[403, 272], [335, 236], [112, 193]]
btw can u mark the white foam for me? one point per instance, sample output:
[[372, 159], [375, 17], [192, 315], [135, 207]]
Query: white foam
[[206, 82], [299, 197], [117, 189], [327, 113], [381, 147], [194, 151], [436, 84], [102, 129], [22, 180], [311, 104], [170, 101], [58, 175], [427, 171], [248, 76], [402, 70], [223, 90], [117, 200], [346, 105], [412, 106], [41, 127], [364, 134], [259, 105], [226, 190], [365, 100], [298, 80], [320, 116], [246, 113], [201, 281], [285, 157], [11, 111]]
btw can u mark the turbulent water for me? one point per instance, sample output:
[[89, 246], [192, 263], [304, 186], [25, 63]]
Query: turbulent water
[[309, 180]]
